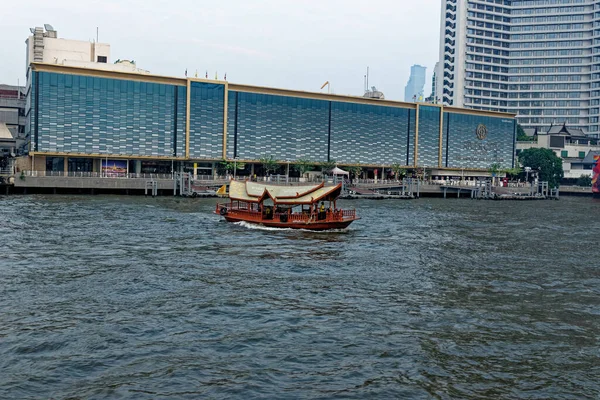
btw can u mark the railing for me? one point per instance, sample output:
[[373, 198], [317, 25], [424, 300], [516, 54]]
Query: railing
[[252, 215], [349, 214], [280, 179], [81, 174], [10, 96]]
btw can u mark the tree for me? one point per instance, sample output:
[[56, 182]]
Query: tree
[[355, 170], [522, 136], [225, 166], [513, 172], [398, 170], [584, 181], [548, 164], [494, 170], [327, 166], [303, 166], [229, 166], [269, 164]]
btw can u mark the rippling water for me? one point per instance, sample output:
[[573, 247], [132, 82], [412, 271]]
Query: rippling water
[[127, 297]]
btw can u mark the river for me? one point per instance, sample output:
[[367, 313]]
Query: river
[[132, 297]]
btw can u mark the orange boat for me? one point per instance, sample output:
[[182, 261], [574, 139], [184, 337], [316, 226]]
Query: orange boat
[[297, 207]]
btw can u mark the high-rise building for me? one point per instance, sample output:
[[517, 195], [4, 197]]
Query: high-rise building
[[414, 88], [432, 97], [531, 57]]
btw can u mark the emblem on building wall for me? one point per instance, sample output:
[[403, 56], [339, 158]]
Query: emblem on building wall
[[481, 131]]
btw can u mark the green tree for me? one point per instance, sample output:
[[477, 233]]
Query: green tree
[[522, 136], [494, 169], [303, 166], [514, 172], [548, 164], [225, 166], [355, 171], [327, 166], [398, 170], [229, 166], [269, 164], [584, 181]]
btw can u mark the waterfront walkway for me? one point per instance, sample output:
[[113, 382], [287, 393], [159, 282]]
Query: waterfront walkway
[[93, 183]]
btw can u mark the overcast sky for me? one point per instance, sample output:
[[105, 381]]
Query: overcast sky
[[292, 44]]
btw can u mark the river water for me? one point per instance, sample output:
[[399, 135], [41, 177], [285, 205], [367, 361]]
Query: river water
[[129, 297]]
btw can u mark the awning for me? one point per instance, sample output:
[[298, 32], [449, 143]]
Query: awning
[[5, 133], [339, 171]]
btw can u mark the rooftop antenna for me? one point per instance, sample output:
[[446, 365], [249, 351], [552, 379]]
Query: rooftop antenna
[[367, 78]]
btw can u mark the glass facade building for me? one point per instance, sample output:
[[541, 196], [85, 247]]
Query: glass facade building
[[77, 113], [535, 58]]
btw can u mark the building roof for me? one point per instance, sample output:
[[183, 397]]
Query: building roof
[[565, 130], [253, 192], [589, 158], [530, 131]]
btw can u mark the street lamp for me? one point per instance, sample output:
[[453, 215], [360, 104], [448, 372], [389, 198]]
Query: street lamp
[[287, 177], [234, 167], [106, 165], [172, 163]]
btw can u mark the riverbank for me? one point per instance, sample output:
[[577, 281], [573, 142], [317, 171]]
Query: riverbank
[[166, 186]]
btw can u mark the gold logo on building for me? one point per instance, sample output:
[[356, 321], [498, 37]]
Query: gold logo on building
[[481, 131]]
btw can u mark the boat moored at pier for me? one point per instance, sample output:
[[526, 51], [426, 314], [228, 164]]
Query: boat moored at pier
[[312, 207]]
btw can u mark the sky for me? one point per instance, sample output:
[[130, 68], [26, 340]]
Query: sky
[[291, 44]]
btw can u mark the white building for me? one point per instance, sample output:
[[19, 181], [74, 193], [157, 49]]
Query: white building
[[531, 57], [45, 46], [576, 149]]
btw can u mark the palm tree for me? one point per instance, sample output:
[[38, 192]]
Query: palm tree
[[327, 166], [399, 171], [269, 164], [303, 166], [355, 170]]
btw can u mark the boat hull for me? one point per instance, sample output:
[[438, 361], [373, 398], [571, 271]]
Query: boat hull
[[313, 226]]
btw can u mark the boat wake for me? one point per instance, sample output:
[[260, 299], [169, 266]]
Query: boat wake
[[248, 225], [260, 227]]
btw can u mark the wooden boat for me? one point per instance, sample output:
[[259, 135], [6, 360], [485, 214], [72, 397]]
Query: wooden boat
[[298, 207]]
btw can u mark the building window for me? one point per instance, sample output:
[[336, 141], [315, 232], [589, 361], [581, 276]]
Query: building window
[[564, 154], [582, 154], [102, 59]]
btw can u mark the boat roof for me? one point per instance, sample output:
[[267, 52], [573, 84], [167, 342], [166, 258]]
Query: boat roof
[[253, 192]]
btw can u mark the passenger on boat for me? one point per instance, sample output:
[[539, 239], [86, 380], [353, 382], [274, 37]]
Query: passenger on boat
[[322, 214]]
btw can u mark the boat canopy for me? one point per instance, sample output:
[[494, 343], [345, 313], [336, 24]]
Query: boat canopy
[[253, 192]]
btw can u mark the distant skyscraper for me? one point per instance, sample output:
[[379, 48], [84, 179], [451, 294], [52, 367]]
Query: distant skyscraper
[[432, 97], [414, 87], [538, 59]]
